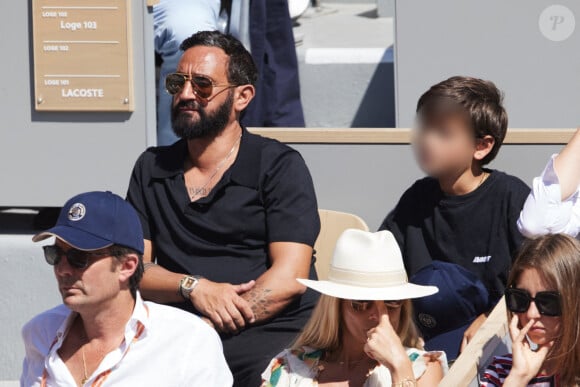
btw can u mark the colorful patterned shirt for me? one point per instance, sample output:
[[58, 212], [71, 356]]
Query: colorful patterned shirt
[[300, 368]]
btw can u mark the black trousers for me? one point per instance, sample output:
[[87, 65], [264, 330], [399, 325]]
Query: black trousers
[[249, 353], [277, 101]]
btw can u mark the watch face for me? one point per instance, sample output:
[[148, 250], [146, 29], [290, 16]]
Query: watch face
[[186, 286], [188, 283]]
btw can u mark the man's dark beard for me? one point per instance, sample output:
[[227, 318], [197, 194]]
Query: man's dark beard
[[207, 126]]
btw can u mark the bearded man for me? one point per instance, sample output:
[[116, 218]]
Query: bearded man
[[229, 218]]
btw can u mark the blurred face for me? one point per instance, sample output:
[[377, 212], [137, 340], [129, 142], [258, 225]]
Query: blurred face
[[360, 316], [193, 116], [444, 145], [83, 288], [544, 328]]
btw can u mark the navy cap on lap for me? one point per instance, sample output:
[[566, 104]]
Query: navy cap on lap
[[444, 317], [95, 220]]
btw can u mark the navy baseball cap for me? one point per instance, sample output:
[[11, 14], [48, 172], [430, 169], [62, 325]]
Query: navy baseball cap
[[444, 316], [95, 220]]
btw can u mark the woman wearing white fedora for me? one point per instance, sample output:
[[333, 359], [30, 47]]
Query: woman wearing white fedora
[[361, 332]]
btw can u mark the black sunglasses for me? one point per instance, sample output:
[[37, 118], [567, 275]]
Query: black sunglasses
[[548, 303], [364, 305], [78, 259], [202, 85]]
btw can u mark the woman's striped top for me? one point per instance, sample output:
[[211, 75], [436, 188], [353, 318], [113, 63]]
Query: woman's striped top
[[496, 373]]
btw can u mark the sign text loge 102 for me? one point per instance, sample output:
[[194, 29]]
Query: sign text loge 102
[[82, 55]]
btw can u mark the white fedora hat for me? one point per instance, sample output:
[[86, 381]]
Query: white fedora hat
[[368, 266]]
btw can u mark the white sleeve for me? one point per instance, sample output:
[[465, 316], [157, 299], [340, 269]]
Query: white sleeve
[[39, 334], [544, 211], [33, 364], [206, 352]]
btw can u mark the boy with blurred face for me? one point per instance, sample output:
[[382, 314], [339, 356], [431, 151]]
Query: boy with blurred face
[[462, 213]]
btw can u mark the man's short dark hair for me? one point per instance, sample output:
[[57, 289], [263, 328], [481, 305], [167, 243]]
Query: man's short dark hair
[[241, 67], [479, 100], [119, 252]]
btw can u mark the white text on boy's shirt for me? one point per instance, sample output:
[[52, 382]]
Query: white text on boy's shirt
[[482, 259]]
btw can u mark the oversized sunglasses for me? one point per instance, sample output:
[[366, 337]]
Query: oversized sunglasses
[[548, 303], [364, 305], [202, 85], [78, 259]]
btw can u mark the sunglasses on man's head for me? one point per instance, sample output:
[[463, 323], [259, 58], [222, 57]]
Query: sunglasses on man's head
[[364, 305], [78, 259], [202, 85], [519, 300]]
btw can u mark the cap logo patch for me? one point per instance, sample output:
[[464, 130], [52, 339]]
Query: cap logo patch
[[427, 320], [76, 212]]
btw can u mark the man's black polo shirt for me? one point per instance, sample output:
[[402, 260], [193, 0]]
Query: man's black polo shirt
[[266, 196]]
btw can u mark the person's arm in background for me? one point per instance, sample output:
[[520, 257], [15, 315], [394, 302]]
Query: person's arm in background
[[472, 330], [567, 166], [553, 206]]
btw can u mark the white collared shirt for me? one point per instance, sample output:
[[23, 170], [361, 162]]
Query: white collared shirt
[[163, 346], [545, 212]]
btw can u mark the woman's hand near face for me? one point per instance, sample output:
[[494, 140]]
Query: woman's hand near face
[[384, 345], [526, 363]]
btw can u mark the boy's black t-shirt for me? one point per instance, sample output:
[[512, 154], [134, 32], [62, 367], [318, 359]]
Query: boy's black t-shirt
[[477, 231]]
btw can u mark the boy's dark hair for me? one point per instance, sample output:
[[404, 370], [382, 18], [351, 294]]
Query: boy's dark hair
[[480, 101], [119, 252], [241, 67]]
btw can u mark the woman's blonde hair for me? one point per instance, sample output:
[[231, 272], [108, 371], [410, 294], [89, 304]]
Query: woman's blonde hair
[[556, 258], [324, 329]]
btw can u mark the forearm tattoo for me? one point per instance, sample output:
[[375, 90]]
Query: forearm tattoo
[[259, 298]]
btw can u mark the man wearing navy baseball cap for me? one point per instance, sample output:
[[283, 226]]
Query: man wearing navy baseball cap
[[104, 333]]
